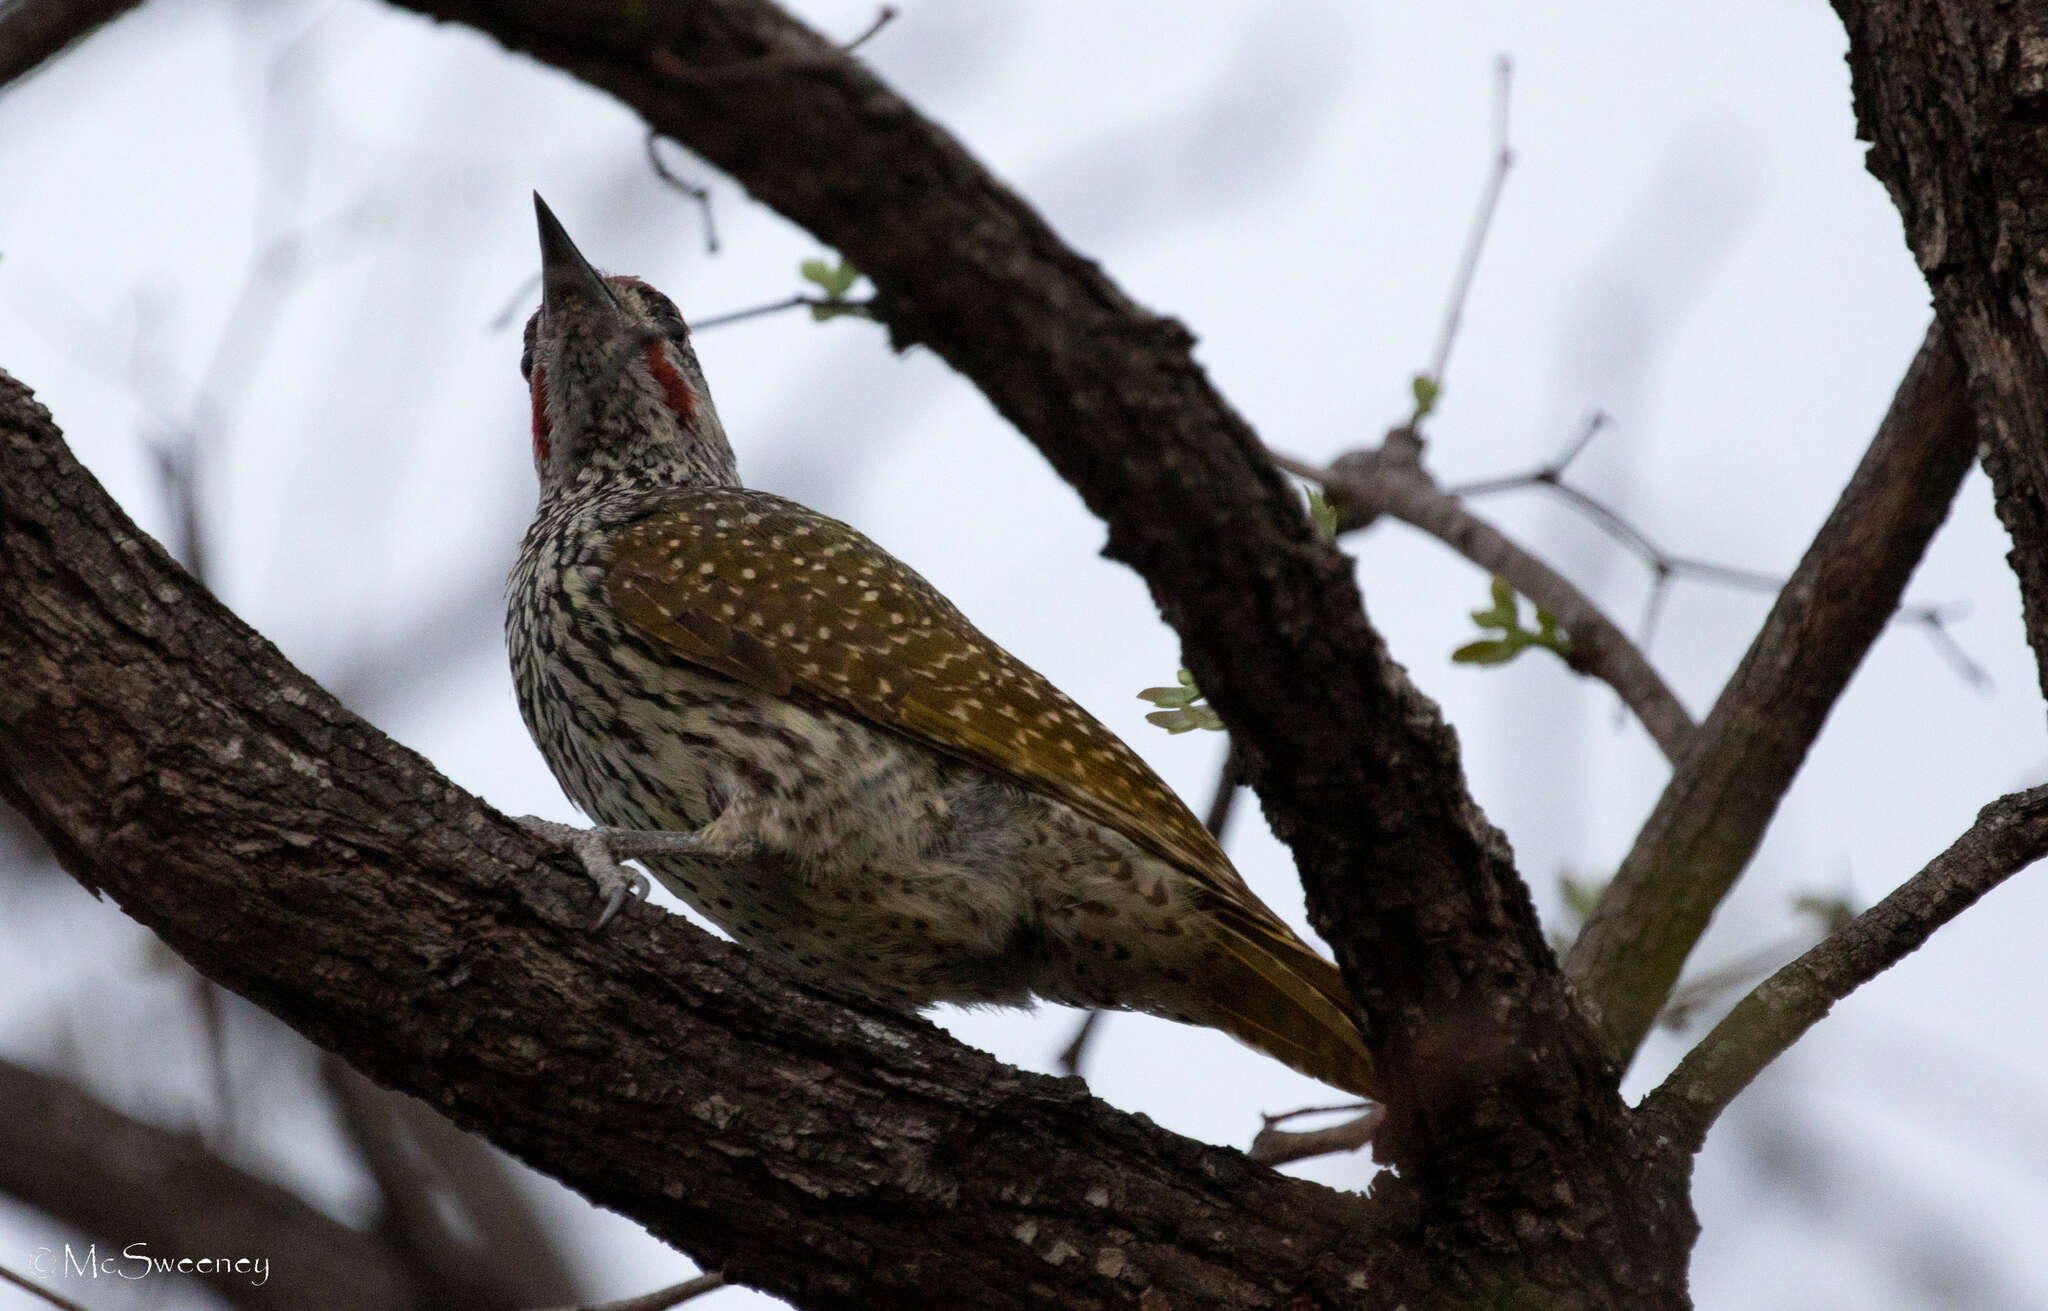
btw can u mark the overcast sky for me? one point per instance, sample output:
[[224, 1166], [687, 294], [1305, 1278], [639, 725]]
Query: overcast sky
[[292, 228]]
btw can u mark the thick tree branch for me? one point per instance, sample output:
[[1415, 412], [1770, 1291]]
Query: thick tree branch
[[1392, 481], [31, 31], [2010, 834], [67, 1154], [1952, 95], [177, 763], [1713, 812]]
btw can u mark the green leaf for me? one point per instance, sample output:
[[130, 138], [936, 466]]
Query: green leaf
[[1490, 651], [1183, 706], [1426, 391], [1505, 614], [835, 279], [1322, 514]]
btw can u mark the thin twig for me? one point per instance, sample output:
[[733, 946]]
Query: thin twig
[[1229, 782], [1482, 220], [850, 308], [54, 1299], [1721, 797], [1076, 1051], [695, 191], [1392, 481], [1665, 567], [1276, 1146], [661, 1299], [2010, 834]]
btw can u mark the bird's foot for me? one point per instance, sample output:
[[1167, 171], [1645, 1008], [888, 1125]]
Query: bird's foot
[[601, 850]]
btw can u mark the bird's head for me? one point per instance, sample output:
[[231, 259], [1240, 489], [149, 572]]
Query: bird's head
[[617, 392]]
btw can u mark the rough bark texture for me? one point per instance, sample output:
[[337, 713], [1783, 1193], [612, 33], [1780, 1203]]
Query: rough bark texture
[[1728, 783], [1499, 1097], [1953, 96]]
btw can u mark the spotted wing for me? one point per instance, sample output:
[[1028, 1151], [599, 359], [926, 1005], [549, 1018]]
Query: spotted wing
[[774, 595], [781, 598]]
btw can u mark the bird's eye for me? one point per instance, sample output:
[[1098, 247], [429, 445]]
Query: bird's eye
[[667, 317], [526, 364]]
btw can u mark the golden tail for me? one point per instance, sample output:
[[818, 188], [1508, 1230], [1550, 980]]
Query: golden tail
[[1270, 990]]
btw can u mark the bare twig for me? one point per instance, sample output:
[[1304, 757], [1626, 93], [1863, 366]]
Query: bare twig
[[1666, 567], [851, 308], [1392, 481], [1727, 786], [2009, 835], [661, 1299], [1482, 220], [1277, 1146], [1229, 782], [38, 1290], [1076, 1050], [695, 191], [514, 303]]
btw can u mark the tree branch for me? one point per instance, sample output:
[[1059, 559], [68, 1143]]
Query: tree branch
[[2010, 834], [1392, 481], [1713, 812], [80, 1161], [177, 763], [1951, 95]]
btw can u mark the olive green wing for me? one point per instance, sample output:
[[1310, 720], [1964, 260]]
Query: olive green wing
[[779, 597]]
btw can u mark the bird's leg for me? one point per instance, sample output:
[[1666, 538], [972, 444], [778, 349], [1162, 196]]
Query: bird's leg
[[601, 849]]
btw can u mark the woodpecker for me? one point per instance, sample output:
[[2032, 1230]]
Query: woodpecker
[[801, 738]]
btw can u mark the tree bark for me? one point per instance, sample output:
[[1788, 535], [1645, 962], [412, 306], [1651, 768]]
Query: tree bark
[[1953, 97]]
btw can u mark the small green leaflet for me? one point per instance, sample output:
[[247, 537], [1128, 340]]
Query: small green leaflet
[[835, 280], [1322, 514], [1183, 707], [1426, 390], [1505, 614]]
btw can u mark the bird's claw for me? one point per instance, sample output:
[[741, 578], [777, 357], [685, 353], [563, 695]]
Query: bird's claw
[[595, 848]]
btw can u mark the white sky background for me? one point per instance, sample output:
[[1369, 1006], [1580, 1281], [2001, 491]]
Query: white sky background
[[1688, 242]]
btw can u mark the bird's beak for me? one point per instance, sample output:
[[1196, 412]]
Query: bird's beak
[[564, 274]]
